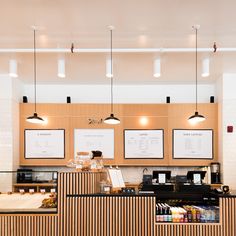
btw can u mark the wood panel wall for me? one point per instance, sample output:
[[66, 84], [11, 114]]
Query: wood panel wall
[[173, 229], [74, 183], [161, 116], [110, 216], [28, 225], [228, 213]]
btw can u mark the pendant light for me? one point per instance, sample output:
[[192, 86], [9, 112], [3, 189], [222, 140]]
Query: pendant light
[[35, 118], [112, 120], [196, 117]]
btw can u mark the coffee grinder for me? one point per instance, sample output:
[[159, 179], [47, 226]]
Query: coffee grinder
[[215, 173]]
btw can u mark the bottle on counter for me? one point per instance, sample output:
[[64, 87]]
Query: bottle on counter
[[189, 213], [185, 217], [169, 213], [194, 215], [165, 216], [161, 216], [157, 214], [198, 215]]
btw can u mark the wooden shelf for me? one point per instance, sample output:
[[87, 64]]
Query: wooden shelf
[[36, 186]]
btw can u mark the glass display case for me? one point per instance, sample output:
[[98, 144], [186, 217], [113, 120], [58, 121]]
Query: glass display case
[[187, 207], [26, 191]]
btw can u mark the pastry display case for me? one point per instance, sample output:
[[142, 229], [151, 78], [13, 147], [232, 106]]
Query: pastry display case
[[25, 191]]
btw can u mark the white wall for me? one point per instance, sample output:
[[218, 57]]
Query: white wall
[[228, 117], [122, 93], [10, 93]]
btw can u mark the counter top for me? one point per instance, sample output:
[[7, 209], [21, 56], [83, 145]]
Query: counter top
[[230, 194], [113, 195], [17, 202]]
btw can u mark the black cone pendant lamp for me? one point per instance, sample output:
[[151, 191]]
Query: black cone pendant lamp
[[196, 117], [112, 120], [35, 118]]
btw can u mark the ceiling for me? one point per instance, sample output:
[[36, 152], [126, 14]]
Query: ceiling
[[142, 24]]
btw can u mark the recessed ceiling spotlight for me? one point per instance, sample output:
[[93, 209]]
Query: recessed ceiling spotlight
[[108, 68], [13, 68], [61, 68], [205, 67], [157, 68]]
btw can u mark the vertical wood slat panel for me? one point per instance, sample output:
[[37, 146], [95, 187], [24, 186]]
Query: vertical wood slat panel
[[111, 216], [74, 183], [28, 225], [228, 215], [172, 229]]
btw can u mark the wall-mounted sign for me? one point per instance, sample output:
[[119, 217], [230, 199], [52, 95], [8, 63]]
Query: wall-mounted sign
[[144, 143], [192, 144], [87, 140], [44, 143]]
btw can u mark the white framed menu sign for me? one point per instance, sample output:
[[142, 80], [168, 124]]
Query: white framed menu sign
[[44, 143], [144, 143], [87, 140], [192, 143]]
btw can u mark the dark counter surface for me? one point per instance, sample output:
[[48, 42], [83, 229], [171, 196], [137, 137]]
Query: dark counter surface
[[161, 195], [113, 195], [230, 194]]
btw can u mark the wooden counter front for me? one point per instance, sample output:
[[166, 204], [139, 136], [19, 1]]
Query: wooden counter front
[[29, 225], [82, 212], [110, 215]]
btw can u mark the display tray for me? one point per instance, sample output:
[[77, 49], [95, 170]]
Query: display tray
[[17, 202]]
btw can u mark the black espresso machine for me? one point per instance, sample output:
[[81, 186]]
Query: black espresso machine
[[24, 176]]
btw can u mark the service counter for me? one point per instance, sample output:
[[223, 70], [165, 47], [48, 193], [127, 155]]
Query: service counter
[[83, 212]]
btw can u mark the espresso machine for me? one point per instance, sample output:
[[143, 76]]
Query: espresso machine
[[215, 173]]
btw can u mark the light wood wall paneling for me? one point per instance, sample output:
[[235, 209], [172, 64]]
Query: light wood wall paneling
[[110, 216], [228, 216], [74, 183], [29, 225], [148, 110], [161, 116], [82, 122], [58, 116], [173, 229], [178, 115], [94, 110]]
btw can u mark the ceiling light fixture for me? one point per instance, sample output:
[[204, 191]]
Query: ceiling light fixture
[[13, 68], [196, 117], [112, 120], [35, 118], [108, 68], [61, 68], [157, 67], [205, 67]]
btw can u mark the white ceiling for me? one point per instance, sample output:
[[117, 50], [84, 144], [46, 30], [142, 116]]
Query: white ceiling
[[138, 24]]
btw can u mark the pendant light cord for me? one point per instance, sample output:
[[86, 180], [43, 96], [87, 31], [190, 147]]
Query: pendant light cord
[[111, 75], [34, 73], [196, 69]]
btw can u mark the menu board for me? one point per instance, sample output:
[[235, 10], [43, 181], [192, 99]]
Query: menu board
[[44, 143], [144, 143], [87, 140], [193, 144]]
